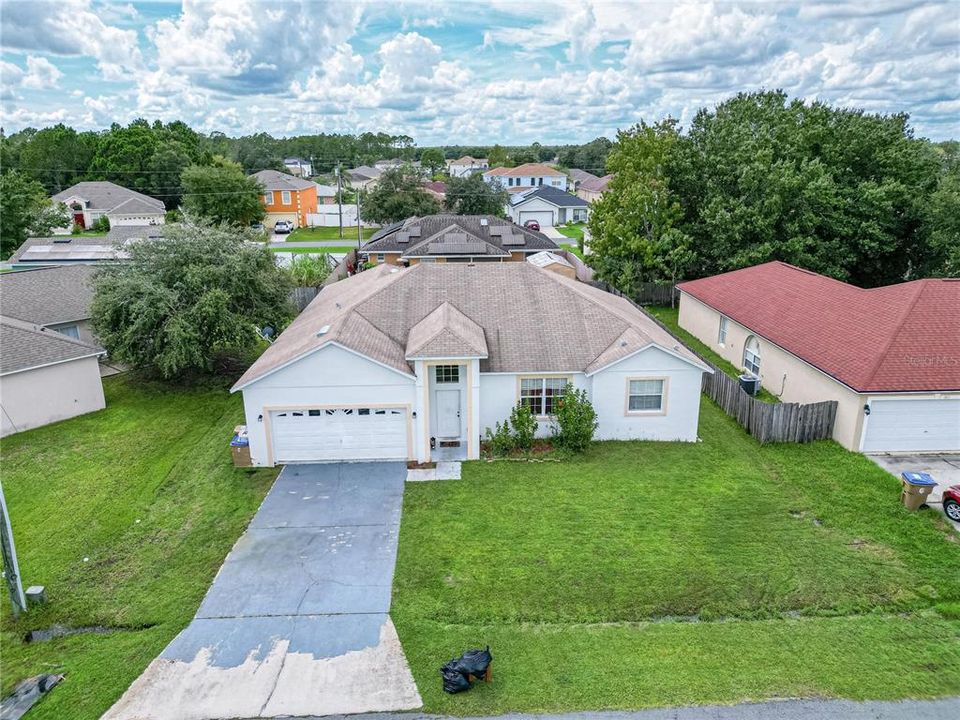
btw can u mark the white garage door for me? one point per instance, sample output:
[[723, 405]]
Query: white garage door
[[544, 217], [913, 425], [345, 433]]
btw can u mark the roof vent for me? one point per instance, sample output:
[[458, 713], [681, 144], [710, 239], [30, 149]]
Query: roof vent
[[394, 270], [323, 331], [484, 222], [62, 240], [623, 343]]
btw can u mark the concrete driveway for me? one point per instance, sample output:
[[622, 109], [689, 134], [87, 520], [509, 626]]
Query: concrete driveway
[[295, 623], [942, 467]]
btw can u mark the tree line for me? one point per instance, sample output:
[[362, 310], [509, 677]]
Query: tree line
[[849, 194]]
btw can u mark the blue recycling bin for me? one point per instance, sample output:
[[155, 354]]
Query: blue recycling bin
[[917, 487], [240, 447]]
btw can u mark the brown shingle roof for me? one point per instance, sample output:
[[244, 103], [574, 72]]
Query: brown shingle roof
[[515, 305], [446, 332]]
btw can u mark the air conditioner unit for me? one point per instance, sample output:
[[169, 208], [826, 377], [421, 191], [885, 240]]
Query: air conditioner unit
[[750, 384]]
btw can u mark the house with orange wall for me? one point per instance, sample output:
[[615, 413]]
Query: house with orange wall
[[286, 197]]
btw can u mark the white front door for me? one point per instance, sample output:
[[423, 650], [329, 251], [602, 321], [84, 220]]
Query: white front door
[[448, 413]]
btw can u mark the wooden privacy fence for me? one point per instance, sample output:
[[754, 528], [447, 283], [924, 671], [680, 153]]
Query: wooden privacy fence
[[647, 293], [770, 422]]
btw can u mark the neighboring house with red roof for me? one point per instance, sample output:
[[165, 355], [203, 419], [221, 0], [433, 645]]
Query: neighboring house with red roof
[[593, 189], [890, 356]]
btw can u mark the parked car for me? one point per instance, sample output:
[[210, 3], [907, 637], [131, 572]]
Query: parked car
[[531, 225], [951, 502], [283, 226]]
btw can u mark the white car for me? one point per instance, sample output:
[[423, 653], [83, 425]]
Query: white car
[[283, 226]]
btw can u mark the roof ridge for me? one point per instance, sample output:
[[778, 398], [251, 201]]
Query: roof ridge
[[32, 327], [882, 355], [446, 328]]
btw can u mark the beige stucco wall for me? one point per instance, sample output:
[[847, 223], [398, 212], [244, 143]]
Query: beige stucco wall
[[34, 398], [781, 373]]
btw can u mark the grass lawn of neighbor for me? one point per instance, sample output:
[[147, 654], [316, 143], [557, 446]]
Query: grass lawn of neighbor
[[670, 317], [572, 231], [649, 574], [330, 233], [125, 515], [315, 250]]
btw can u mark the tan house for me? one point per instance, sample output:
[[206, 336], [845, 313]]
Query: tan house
[[593, 189], [888, 355], [454, 238]]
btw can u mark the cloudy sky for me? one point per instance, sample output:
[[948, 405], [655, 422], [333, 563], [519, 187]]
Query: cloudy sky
[[461, 71]]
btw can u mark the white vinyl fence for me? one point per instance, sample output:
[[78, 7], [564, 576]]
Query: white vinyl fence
[[329, 216]]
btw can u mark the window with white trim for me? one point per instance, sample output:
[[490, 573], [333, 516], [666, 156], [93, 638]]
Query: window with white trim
[[722, 332], [285, 197], [268, 198], [540, 394], [751, 355], [448, 373], [645, 395]]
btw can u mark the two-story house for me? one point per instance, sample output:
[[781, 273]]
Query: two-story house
[[527, 175], [286, 197], [466, 166]]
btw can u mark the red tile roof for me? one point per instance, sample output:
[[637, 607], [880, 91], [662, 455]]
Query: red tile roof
[[903, 337]]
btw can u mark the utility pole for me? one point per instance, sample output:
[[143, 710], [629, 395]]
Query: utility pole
[[11, 569], [340, 198], [359, 235]]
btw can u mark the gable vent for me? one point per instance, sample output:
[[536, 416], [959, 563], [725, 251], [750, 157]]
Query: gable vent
[[323, 331]]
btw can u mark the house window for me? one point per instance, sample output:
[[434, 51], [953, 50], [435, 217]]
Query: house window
[[751, 355], [448, 373], [645, 395], [722, 333], [285, 197], [70, 331], [378, 257], [268, 198], [540, 394]]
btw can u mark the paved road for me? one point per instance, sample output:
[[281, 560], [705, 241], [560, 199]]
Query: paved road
[[296, 620], [946, 709]]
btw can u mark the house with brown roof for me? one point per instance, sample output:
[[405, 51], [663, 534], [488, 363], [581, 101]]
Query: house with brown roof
[[592, 189], [889, 356], [415, 363], [528, 175], [454, 238]]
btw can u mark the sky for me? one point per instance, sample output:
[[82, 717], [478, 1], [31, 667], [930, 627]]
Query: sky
[[464, 71]]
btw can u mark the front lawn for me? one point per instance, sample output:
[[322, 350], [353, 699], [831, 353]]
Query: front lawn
[[651, 574], [670, 318], [315, 234], [574, 231], [124, 515]]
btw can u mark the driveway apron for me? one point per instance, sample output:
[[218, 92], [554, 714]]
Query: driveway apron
[[296, 622]]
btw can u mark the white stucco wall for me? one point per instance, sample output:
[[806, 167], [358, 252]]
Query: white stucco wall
[[330, 376], [34, 398], [499, 393], [781, 373], [681, 412]]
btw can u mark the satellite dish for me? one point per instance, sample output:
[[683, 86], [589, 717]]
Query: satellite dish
[[267, 332]]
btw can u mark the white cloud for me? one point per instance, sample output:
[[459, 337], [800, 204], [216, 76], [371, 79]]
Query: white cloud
[[41, 73]]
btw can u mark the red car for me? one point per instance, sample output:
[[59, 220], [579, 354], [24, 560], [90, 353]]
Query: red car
[[951, 502], [531, 225]]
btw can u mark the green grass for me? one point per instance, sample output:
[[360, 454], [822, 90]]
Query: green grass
[[670, 318], [650, 574], [572, 247], [315, 250], [574, 231], [145, 492], [329, 233]]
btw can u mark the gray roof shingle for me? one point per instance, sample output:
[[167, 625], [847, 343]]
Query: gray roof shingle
[[414, 236], [26, 346], [514, 305], [552, 195], [108, 197], [47, 296], [82, 248], [276, 180]]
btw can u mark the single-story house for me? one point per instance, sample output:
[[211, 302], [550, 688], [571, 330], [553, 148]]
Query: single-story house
[[45, 376], [436, 188], [454, 238], [87, 202], [549, 206], [286, 197], [592, 190], [82, 249], [326, 194], [527, 175], [363, 177], [416, 363], [889, 356], [298, 167], [466, 166]]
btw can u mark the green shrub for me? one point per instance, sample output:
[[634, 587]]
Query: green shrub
[[101, 225], [76, 229], [500, 439], [524, 426], [309, 270], [576, 420]]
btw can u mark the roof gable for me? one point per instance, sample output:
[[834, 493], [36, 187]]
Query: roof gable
[[27, 346], [446, 332], [273, 180], [107, 196], [491, 236]]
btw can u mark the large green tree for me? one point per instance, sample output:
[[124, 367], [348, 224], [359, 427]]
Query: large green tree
[[634, 227], [189, 303], [25, 210], [398, 194], [432, 159], [472, 195], [221, 192], [57, 156]]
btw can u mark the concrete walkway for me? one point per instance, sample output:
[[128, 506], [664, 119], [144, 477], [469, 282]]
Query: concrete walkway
[[946, 709], [295, 623]]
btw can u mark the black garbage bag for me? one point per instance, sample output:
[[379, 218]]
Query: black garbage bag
[[475, 662], [454, 680]]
